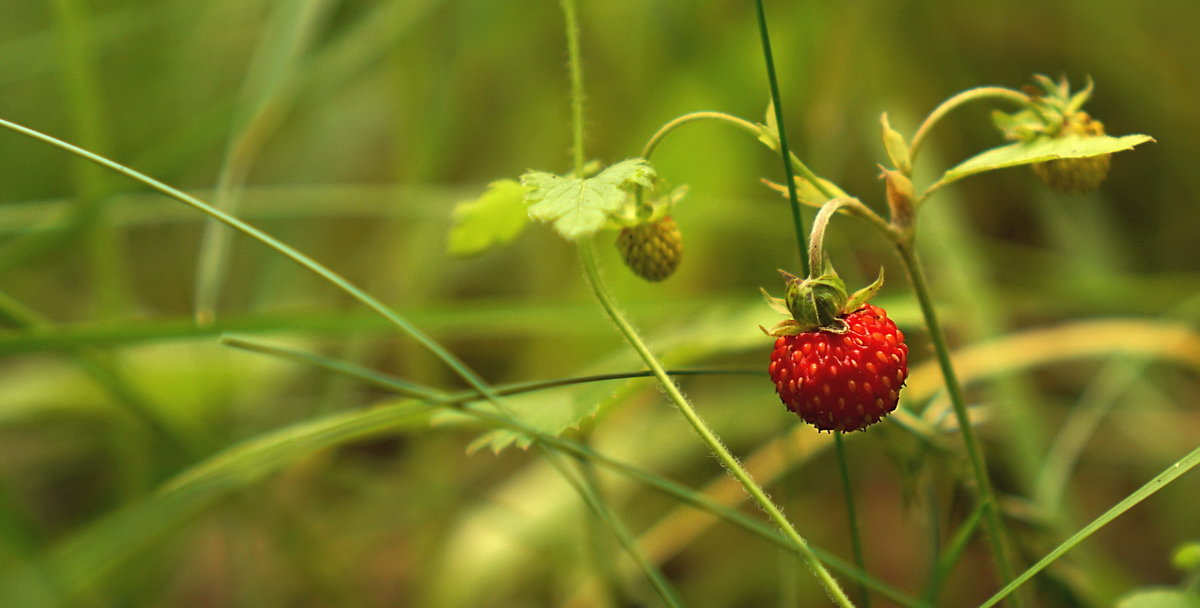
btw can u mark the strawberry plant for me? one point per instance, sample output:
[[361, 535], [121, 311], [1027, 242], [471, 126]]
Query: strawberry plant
[[248, 481]]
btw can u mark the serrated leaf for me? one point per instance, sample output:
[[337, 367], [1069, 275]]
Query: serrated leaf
[[495, 218], [1159, 598], [1039, 150], [579, 207]]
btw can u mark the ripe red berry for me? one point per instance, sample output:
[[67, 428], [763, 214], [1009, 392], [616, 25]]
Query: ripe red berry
[[842, 381]]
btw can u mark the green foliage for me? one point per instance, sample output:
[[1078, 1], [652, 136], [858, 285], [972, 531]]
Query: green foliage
[[1160, 598], [1187, 557], [358, 170], [493, 219], [581, 206], [1039, 150]]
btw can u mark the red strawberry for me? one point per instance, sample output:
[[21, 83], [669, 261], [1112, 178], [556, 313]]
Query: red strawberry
[[842, 381]]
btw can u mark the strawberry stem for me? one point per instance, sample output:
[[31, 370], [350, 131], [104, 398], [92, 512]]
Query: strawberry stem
[[575, 65], [985, 494], [961, 99]]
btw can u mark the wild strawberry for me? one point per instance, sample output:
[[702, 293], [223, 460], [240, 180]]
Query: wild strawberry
[[1076, 175], [842, 381], [652, 249], [838, 363]]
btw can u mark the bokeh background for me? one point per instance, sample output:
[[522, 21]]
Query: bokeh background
[[351, 129]]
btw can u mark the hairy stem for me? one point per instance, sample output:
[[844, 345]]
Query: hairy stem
[[664, 130], [575, 65], [959, 100], [724, 456], [997, 534], [852, 516]]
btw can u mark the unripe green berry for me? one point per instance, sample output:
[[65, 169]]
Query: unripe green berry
[[652, 250], [1076, 175]]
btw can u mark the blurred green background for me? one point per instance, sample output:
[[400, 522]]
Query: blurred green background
[[351, 129]]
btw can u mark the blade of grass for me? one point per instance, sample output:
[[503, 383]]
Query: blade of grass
[[953, 551], [851, 514], [265, 100], [470, 376], [102, 369], [84, 94], [682, 493], [1170, 474]]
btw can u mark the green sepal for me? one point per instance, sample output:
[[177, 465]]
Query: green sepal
[[1079, 98], [807, 192], [634, 213], [817, 303], [1023, 125], [778, 305], [864, 295], [768, 130], [897, 148], [786, 327]]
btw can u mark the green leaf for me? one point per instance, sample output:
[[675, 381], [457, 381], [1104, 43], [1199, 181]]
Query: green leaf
[[495, 218], [579, 207], [1039, 150], [1159, 598]]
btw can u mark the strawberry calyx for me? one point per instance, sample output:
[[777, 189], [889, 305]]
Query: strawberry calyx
[[1054, 111], [817, 303]]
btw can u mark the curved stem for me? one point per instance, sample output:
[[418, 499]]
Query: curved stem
[[852, 516], [957, 101], [664, 130], [816, 241], [587, 256], [997, 534]]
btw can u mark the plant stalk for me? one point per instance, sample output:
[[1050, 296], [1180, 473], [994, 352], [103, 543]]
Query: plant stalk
[[724, 456], [662, 132], [957, 101], [575, 65], [852, 517], [997, 534]]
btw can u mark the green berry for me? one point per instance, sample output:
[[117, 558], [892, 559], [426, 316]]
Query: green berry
[[1076, 175], [652, 249]]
